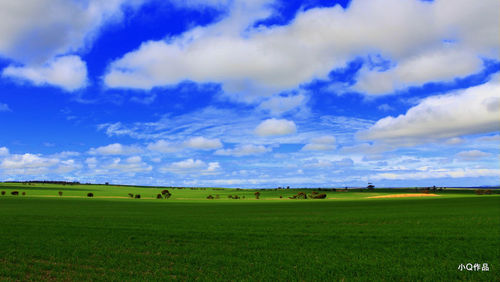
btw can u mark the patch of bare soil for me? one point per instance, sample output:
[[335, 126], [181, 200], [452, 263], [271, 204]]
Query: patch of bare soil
[[404, 196]]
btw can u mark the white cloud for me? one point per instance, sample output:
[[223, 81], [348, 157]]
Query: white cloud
[[438, 173], [244, 150], [4, 151], [68, 72], [115, 149], [324, 143], [445, 116], [130, 165], [203, 143], [454, 141], [279, 105], [472, 155], [437, 65], [163, 146], [191, 166], [274, 127], [4, 108], [34, 31], [27, 164], [260, 61]]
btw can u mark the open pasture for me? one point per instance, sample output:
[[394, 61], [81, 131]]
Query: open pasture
[[346, 236]]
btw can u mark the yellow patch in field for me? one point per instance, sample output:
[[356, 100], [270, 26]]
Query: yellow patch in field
[[404, 196]]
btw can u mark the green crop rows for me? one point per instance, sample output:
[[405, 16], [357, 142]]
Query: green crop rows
[[347, 236]]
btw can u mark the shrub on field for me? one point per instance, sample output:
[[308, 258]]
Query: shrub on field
[[130, 195], [3, 193], [236, 197], [281, 197], [210, 197], [166, 194], [479, 191], [320, 196], [14, 193], [60, 193], [24, 193], [257, 195], [90, 195], [487, 192], [159, 196], [138, 196], [301, 195], [230, 196], [243, 197]]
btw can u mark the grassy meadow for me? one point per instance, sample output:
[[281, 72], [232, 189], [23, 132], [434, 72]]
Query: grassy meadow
[[347, 236]]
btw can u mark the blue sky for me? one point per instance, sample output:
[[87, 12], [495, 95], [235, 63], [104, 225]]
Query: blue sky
[[261, 93]]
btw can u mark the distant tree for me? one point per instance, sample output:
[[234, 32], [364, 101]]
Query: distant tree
[[107, 183], [159, 196], [90, 195], [210, 197], [257, 195], [166, 194], [60, 193], [130, 195], [14, 193], [370, 186], [3, 193], [137, 196], [23, 193]]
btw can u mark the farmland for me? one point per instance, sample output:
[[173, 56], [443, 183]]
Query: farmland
[[350, 235]]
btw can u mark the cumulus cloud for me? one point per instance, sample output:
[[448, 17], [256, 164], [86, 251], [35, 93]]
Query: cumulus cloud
[[472, 155], [163, 146], [266, 60], [244, 150], [34, 31], [115, 149], [324, 143], [446, 116], [275, 127], [437, 65], [132, 165], [279, 105], [203, 143], [192, 166], [68, 72], [438, 173], [30, 164]]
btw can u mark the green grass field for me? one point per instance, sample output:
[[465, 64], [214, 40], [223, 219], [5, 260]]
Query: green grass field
[[347, 236]]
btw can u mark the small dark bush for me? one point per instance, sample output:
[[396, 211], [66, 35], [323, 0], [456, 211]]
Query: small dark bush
[[487, 192], [236, 197], [230, 196], [3, 193], [90, 195], [130, 195], [138, 196], [210, 197], [159, 196], [60, 193], [24, 193], [14, 193], [243, 197], [257, 195], [320, 196], [281, 197], [479, 191]]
